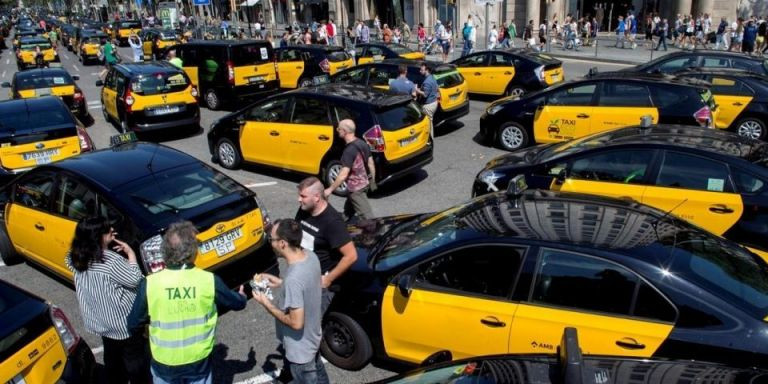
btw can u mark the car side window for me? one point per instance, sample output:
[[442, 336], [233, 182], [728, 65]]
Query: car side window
[[374, 51], [675, 65], [341, 113], [729, 86], [592, 284], [382, 75], [616, 94], [272, 111], [35, 190], [680, 170], [502, 60], [479, 270], [189, 56], [289, 55], [472, 61], [352, 76], [746, 182], [310, 111], [75, 200], [121, 82], [629, 167], [110, 80], [572, 96], [717, 62]]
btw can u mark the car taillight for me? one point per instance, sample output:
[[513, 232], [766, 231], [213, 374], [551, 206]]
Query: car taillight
[[375, 139], [264, 213], [704, 117], [128, 100], [194, 91], [152, 254], [540, 73], [230, 73], [325, 66], [67, 334], [85, 142], [78, 96]]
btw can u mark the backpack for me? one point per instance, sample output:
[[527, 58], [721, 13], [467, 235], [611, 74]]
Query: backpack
[[466, 31]]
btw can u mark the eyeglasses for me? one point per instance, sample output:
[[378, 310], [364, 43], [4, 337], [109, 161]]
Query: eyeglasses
[[273, 238]]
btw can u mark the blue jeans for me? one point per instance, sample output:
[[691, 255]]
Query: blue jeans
[[312, 372], [204, 379], [662, 41], [468, 45]]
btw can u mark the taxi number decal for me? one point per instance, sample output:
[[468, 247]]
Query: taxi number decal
[[716, 185]]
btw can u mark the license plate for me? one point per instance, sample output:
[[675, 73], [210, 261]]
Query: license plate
[[43, 92], [165, 110], [255, 79], [555, 77], [17, 380], [41, 157], [408, 141], [223, 244], [454, 97], [317, 80]]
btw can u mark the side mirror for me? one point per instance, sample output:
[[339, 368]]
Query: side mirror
[[6, 84], [99, 83], [75, 77], [561, 176], [404, 285]]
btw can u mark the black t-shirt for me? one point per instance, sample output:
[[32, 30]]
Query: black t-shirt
[[324, 234]]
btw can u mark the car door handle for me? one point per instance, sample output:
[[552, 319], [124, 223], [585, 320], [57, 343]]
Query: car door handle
[[720, 208], [323, 138], [582, 116], [298, 67], [492, 321], [737, 104], [507, 73], [274, 133], [39, 227], [629, 343], [478, 74]]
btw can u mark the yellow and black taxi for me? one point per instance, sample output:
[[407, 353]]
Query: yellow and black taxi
[[507, 272], [596, 103], [295, 131], [741, 98], [684, 60], [49, 82], [19, 34], [228, 71], [306, 65], [149, 96], [453, 102], [89, 46], [40, 345], [715, 179], [124, 29], [374, 52], [510, 72], [66, 36], [36, 52], [155, 41], [38, 131], [138, 201]]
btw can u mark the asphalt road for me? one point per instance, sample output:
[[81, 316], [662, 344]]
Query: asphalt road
[[246, 345]]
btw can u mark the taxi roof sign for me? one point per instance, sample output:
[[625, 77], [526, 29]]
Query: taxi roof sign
[[517, 186], [123, 138]]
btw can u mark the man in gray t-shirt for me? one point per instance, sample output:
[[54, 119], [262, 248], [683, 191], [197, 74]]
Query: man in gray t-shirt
[[299, 316]]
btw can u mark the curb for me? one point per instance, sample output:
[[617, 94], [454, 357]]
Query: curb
[[597, 60]]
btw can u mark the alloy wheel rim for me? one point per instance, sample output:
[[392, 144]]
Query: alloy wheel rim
[[516, 92], [226, 154], [512, 137], [751, 129], [333, 173]]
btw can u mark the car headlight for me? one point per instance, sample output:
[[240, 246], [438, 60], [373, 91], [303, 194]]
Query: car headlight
[[152, 254], [490, 177], [493, 109]]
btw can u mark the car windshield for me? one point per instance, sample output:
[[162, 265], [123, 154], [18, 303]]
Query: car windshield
[[399, 117], [448, 79], [168, 36], [400, 49], [177, 190], [42, 80], [158, 83], [130, 24]]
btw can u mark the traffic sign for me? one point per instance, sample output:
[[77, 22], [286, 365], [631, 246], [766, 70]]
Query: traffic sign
[[202, 2]]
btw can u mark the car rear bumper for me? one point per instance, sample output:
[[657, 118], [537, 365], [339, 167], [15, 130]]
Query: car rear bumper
[[140, 122], [390, 171], [442, 116], [251, 90]]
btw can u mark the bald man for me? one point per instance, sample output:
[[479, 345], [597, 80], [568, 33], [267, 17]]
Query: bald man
[[356, 167]]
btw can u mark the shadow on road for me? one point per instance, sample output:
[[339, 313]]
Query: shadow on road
[[224, 370]]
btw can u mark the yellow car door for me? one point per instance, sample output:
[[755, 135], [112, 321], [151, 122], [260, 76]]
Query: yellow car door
[[696, 189], [146, 45], [618, 174], [613, 309], [308, 137], [456, 302], [502, 71], [109, 94], [290, 65], [474, 68], [622, 104], [732, 97], [261, 135], [189, 62], [565, 114]]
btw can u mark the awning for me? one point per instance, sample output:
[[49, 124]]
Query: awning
[[249, 3]]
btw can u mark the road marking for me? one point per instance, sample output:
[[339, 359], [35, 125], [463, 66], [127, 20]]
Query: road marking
[[3, 74], [7, 61], [94, 102], [94, 73], [2, 264], [94, 107], [75, 67], [593, 62], [268, 377], [65, 56], [97, 350], [265, 184]]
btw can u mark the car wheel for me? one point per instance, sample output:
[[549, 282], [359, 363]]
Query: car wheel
[[212, 100], [331, 172], [512, 136], [7, 253], [345, 344], [303, 83], [227, 154], [751, 127], [515, 90]]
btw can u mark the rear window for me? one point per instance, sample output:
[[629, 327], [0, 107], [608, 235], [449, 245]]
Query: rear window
[[40, 134], [448, 79], [36, 120], [93, 39], [399, 117], [130, 24], [37, 81], [174, 191], [251, 54], [31, 46], [338, 56], [158, 83], [168, 36]]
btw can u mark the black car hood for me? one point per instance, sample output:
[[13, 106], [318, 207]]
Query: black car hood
[[368, 234], [525, 156]]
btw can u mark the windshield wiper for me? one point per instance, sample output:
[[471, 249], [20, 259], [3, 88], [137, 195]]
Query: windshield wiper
[[149, 202]]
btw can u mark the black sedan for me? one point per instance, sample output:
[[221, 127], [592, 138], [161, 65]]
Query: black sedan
[[678, 61]]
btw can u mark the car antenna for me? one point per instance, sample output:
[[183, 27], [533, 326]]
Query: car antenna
[[151, 159]]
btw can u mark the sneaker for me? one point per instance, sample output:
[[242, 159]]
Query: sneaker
[[285, 376]]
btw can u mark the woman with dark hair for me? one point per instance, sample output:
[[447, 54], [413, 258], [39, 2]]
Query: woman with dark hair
[[106, 285]]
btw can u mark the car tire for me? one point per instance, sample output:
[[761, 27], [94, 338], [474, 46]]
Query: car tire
[[227, 154], [305, 82], [330, 171], [512, 136], [515, 90], [8, 254], [345, 343], [212, 100], [751, 127]]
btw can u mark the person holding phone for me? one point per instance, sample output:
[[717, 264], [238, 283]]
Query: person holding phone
[[106, 283]]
